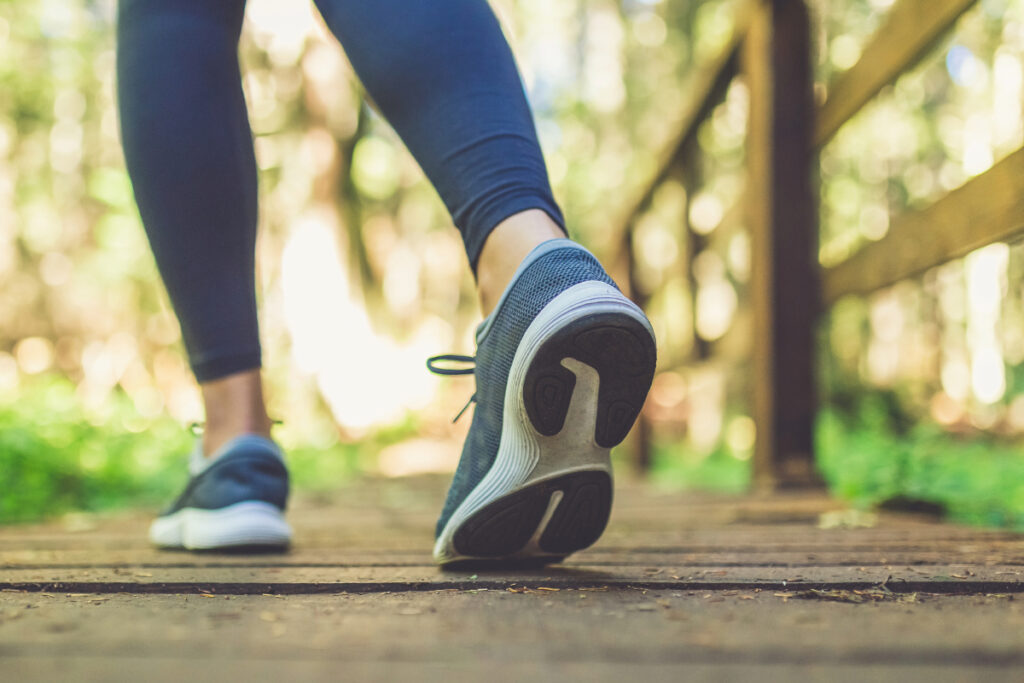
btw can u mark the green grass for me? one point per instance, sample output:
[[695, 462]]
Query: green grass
[[56, 458]]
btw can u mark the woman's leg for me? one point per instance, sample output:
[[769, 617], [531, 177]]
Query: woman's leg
[[563, 360], [444, 77], [189, 152]]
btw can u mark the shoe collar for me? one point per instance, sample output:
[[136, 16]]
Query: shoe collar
[[542, 249], [198, 462]]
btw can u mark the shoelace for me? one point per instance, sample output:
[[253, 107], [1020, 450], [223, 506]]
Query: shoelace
[[453, 358]]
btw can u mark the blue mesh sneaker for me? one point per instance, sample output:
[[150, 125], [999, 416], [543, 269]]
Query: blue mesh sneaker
[[236, 499], [563, 366]]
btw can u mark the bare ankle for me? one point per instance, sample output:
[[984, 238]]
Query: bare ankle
[[506, 247], [234, 406]]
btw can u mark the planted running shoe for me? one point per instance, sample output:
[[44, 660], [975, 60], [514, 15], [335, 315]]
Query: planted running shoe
[[234, 500], [563, 366]]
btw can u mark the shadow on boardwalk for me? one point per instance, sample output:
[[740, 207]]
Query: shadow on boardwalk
[[681, 587]]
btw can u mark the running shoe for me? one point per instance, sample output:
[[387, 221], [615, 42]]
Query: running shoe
[[562, 368], [234, 500]]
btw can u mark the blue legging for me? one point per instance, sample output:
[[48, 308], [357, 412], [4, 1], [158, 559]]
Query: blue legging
[[439, 70]]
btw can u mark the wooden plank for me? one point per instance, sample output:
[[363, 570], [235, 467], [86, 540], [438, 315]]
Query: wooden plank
[[946, 579], [749, 546], [784, 236], [986, 209], [652, 560], [911, 28], [949, 578], [697, 664], [539, 636], [683, 585]]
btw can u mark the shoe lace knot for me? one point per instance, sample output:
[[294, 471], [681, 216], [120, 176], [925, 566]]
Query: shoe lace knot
[[432, 365]]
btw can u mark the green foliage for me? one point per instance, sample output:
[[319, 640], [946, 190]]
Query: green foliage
[[55, 457], [870, 453], [679, 465], [977, 479]]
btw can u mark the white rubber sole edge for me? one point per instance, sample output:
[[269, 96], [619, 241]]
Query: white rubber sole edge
[[525, 456], [247, 523]]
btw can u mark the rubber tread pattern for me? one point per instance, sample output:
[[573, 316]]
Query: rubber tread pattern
[[505, 526], [621, 350]]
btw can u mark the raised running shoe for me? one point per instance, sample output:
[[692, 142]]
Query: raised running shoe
[[562, 368], [236, 499]]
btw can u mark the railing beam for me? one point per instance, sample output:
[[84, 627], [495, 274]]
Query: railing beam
[[988, 208], [707, 88], [911, 27]]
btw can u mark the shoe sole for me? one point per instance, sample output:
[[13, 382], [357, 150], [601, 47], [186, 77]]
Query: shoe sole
[[577, 383], [249, 524]]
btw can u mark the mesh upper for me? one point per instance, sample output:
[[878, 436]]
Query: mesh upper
[[251, 469], [541, 281]]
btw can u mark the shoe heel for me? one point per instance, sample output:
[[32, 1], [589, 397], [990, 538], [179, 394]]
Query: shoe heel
[[577, 383], [622, 352]]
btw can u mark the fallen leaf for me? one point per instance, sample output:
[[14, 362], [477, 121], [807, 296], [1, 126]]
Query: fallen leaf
[[847, 519]]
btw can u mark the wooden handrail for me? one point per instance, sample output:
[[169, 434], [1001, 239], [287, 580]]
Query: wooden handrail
[[910, 29], [708, 86], [770, 46], [986, 209]]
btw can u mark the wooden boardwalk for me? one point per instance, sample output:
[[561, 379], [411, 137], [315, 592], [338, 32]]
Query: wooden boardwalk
[[681, 587]]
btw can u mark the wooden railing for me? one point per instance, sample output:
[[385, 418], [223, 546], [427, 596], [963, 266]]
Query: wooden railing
[[788, 291]]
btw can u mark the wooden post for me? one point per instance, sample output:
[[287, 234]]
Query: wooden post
[[782, 216], [690, 175], [640, 435]]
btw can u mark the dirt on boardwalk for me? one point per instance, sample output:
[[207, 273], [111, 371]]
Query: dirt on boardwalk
[[681, 587]]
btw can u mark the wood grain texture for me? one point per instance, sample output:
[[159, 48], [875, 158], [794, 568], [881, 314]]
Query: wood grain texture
[[740, 635], [683, 586]]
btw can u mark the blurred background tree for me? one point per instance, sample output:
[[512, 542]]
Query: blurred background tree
[[361, 275]]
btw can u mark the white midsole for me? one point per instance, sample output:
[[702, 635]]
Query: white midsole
[[246, 523], [522, 453]]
